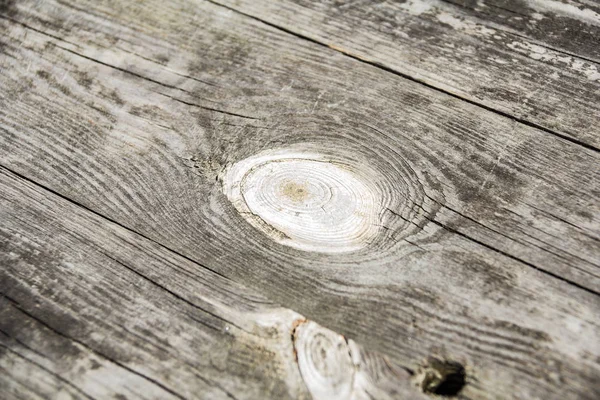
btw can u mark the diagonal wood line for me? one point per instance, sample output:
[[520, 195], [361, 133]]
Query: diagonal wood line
[[533, 266], [25, 178], [347, 54], [411, 78], [50, 372], [499, 251], [165, 388], [510, 32], [172, 293], [341, 51], [126, 71], [485, 245]]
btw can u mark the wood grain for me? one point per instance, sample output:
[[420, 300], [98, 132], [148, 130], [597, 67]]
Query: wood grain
[[487, 253], [325, 359], [91, 310], [571, 27], [306, 201], [517, 58]]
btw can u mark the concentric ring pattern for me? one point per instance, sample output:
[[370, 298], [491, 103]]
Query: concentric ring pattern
[[305, 200], [322, 188]]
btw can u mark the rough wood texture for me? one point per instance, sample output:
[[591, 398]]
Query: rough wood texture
[[480, 246], [90, 309], [536, 61], [307, 201]]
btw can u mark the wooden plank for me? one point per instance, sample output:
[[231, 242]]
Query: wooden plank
[[488, 56], [89, 309], [571, 27], [491, 204], [514, 188]]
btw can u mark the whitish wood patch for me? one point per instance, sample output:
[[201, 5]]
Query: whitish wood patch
[[307, 200], [536, 61], [487, 256], [91, 310], [336, 368]]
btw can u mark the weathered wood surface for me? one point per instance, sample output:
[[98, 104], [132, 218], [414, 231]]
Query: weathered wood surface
[[571, 27], [90, 309], [536, 61], [487, 248]]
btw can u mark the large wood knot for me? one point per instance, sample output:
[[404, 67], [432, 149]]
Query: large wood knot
[[333, 194], [305, 200]]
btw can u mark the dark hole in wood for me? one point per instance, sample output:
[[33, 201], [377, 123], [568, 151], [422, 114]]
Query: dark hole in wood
[[443, 378], [453, 383]]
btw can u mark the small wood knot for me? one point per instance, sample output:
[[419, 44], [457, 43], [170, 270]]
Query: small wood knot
[[324, 361]]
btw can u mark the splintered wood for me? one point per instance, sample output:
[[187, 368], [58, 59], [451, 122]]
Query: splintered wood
[[253, 199]]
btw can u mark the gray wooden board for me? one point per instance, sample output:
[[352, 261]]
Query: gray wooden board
[[488, 252], [572, 27], [535, 60], [89, 309]]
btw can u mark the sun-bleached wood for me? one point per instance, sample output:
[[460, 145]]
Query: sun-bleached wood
[[493, 161], [335, 368], [536, 61], [89, 309], [307, 200], [487, 250]]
